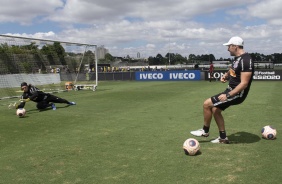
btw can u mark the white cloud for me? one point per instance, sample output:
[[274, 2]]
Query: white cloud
[[269, 10], [36, 35], [25, 11], [126, 27]]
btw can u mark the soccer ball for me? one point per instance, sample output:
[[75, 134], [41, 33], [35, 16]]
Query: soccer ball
[[268, 132], [191, 146], [21, 112]]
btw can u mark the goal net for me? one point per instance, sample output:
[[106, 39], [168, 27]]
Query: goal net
[[52, 66]]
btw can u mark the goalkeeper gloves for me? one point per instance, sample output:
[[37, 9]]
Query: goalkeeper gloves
[[24, 100], [13, 105]]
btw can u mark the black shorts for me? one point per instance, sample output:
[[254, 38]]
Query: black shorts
[[234, 100]]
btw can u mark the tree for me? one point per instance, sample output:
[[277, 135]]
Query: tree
[[256, 56], [179, 59], [59, 49], [48, 50], [27, 67], [55, 53], [90, 57], [109, 57], [7, 57], [158, 60], [211, 57], [277, 57], [192, 58]]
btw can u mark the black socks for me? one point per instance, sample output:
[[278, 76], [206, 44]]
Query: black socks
[[206, 129], [222, 134]]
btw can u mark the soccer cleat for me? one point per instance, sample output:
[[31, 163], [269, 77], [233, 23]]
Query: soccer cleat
[[54, 106], [199, 133], [72, 103], [219, 140]]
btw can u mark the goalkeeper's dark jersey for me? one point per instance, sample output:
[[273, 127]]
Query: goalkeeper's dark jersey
[[242, 63], [34, 94]]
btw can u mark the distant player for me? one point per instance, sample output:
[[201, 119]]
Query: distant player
[[211, 70], [43, 100]]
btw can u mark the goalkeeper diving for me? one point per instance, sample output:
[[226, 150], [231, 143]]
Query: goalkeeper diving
[[42, 100]]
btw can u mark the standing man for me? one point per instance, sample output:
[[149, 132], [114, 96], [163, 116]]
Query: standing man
[[43, 100], [240, 78], [211, 70]]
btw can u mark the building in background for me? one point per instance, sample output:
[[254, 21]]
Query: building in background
[[101, 52], [138, 55]]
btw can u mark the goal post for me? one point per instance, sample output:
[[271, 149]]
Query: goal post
[[87, 86], [48, 64]]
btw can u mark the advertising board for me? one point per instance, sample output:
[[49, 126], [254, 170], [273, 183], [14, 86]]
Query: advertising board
[[181, 75]]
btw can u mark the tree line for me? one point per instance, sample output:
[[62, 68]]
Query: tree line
[[174, 59], [18, 58], [27, 58]]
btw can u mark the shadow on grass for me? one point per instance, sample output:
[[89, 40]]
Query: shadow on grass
[[31, 111], [243, 137], [239, 138], [197, 154]]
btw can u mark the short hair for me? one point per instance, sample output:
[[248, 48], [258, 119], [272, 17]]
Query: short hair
[[23, 84]]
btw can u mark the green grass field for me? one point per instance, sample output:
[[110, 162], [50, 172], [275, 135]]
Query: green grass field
[[132, 132]]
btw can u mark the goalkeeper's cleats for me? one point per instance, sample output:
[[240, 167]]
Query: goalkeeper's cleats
[[220, 140], [53, 106], [13, 105], [72, 103], [199, 133]]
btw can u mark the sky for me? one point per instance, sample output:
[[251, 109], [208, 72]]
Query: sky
[[126, 27]]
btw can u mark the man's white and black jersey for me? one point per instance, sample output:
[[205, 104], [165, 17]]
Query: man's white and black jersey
[[240, 64], [34, 94]]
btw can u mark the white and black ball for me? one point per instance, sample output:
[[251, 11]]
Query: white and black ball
[[191, 146]]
